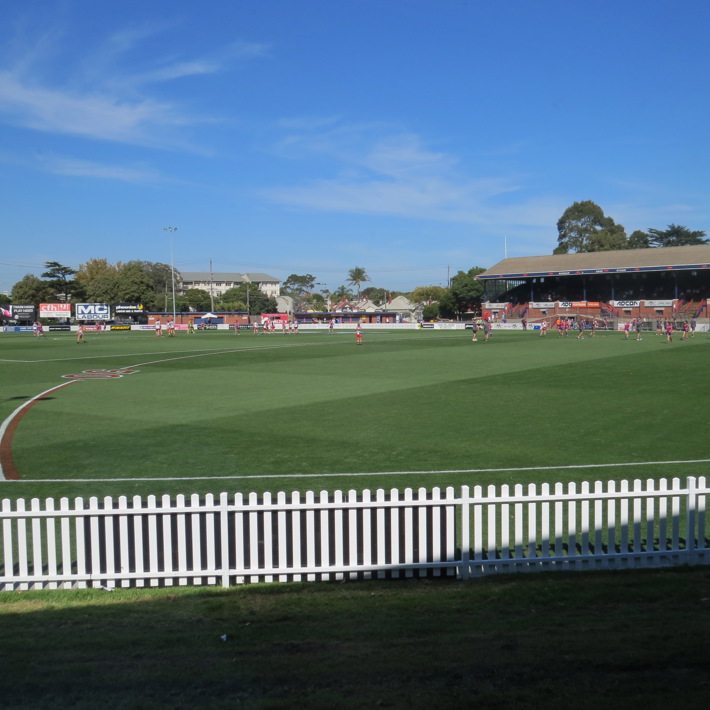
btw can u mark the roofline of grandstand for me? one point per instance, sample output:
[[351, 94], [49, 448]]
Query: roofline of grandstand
[[609, 262]]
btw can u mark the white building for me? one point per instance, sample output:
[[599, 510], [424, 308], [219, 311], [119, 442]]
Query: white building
[[216, 283]]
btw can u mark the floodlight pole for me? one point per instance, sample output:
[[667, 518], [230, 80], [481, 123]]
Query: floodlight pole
[[172, 267]]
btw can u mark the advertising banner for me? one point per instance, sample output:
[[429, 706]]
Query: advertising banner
[[55, 310], [626, 304], [660, 304], [542, 304], [92, 311], [23, 311], [128, 308]]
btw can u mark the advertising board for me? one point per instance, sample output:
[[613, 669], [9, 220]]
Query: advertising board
[[92, 311], [55, 310]]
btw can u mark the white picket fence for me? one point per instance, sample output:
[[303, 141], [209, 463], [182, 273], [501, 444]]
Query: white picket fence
[[232, 540]]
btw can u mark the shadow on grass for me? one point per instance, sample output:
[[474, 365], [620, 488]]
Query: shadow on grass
[[618, 639]]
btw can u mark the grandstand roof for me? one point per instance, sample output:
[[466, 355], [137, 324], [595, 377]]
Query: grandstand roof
[[601, 262]]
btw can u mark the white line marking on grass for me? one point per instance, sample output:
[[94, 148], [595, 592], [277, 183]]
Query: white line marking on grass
[[362, 474]]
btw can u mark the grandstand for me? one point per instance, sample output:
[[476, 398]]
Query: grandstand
[[670, 283]]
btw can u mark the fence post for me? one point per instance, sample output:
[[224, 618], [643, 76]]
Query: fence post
[[690, 543], [465, 542], [224, 537]]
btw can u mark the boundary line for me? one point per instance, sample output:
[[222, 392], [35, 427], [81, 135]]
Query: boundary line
[[363, 474]]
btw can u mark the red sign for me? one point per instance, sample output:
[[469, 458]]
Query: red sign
[[55, 310]]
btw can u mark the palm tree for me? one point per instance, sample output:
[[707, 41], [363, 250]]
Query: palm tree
[[356, 276]]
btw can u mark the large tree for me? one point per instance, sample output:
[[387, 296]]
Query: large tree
[[676, 236], [428, 294], [639, 240], [31, 290], [138, 284], [197, 299], [584, 227], [298, 285], [356, 276], [248, 293], [60, 279], [463, 295]]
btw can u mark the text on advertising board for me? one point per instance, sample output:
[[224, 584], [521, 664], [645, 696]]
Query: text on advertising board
[[92, 311]]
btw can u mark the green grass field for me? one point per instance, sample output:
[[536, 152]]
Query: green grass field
[[217, 411]]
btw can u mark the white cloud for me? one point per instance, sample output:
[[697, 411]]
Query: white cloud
[[92, 115], [63, 165], [102, 99], [381, 172]]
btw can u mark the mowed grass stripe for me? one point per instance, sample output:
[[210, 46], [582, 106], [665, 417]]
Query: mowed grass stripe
[[417, 403]]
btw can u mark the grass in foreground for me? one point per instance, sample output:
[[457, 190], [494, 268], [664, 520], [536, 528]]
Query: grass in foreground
[[588, 640]]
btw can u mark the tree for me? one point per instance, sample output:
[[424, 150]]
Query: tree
[[584, 227], [430, 311], [428, 294], [356, 277], [296, 285], [197, 299], [247, 293], [463, 295], [676, 236], [31, 289], [137, 284], [639, 240], [59, 279], [342, 292]]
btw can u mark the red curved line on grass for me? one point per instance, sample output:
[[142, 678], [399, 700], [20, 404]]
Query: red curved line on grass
[[7, 463]]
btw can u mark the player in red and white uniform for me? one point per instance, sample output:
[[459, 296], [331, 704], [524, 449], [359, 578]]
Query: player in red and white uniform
[[358, 335], [158, 329]]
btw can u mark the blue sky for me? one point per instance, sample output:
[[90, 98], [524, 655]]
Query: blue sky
[[413, 138]]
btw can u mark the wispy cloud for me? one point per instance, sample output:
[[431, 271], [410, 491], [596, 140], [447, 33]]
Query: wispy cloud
[[63, 165], [384, 172], [104, 99], [92, 115]]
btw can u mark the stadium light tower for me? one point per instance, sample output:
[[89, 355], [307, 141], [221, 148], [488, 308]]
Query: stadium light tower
[[172, 267]]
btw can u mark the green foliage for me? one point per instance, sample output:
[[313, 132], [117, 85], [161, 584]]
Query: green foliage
[[676, 236], [430, 311], [249, 293], [59, 279], [31, 289], [463, 295], [584, 228], [428, 294], [146, 283], [296, 285], [639, 240], [197, 299], [356, 276]]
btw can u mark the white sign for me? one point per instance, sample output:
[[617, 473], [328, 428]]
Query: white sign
[[542, 304], [626, 304], [496, 305], [92, 311], [660, 304]]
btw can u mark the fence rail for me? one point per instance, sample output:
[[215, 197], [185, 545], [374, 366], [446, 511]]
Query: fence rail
[[336, 536]]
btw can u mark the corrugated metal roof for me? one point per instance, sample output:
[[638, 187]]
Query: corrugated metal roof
[[658, 259], [221, 276], [262, 277], [206, 276]]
